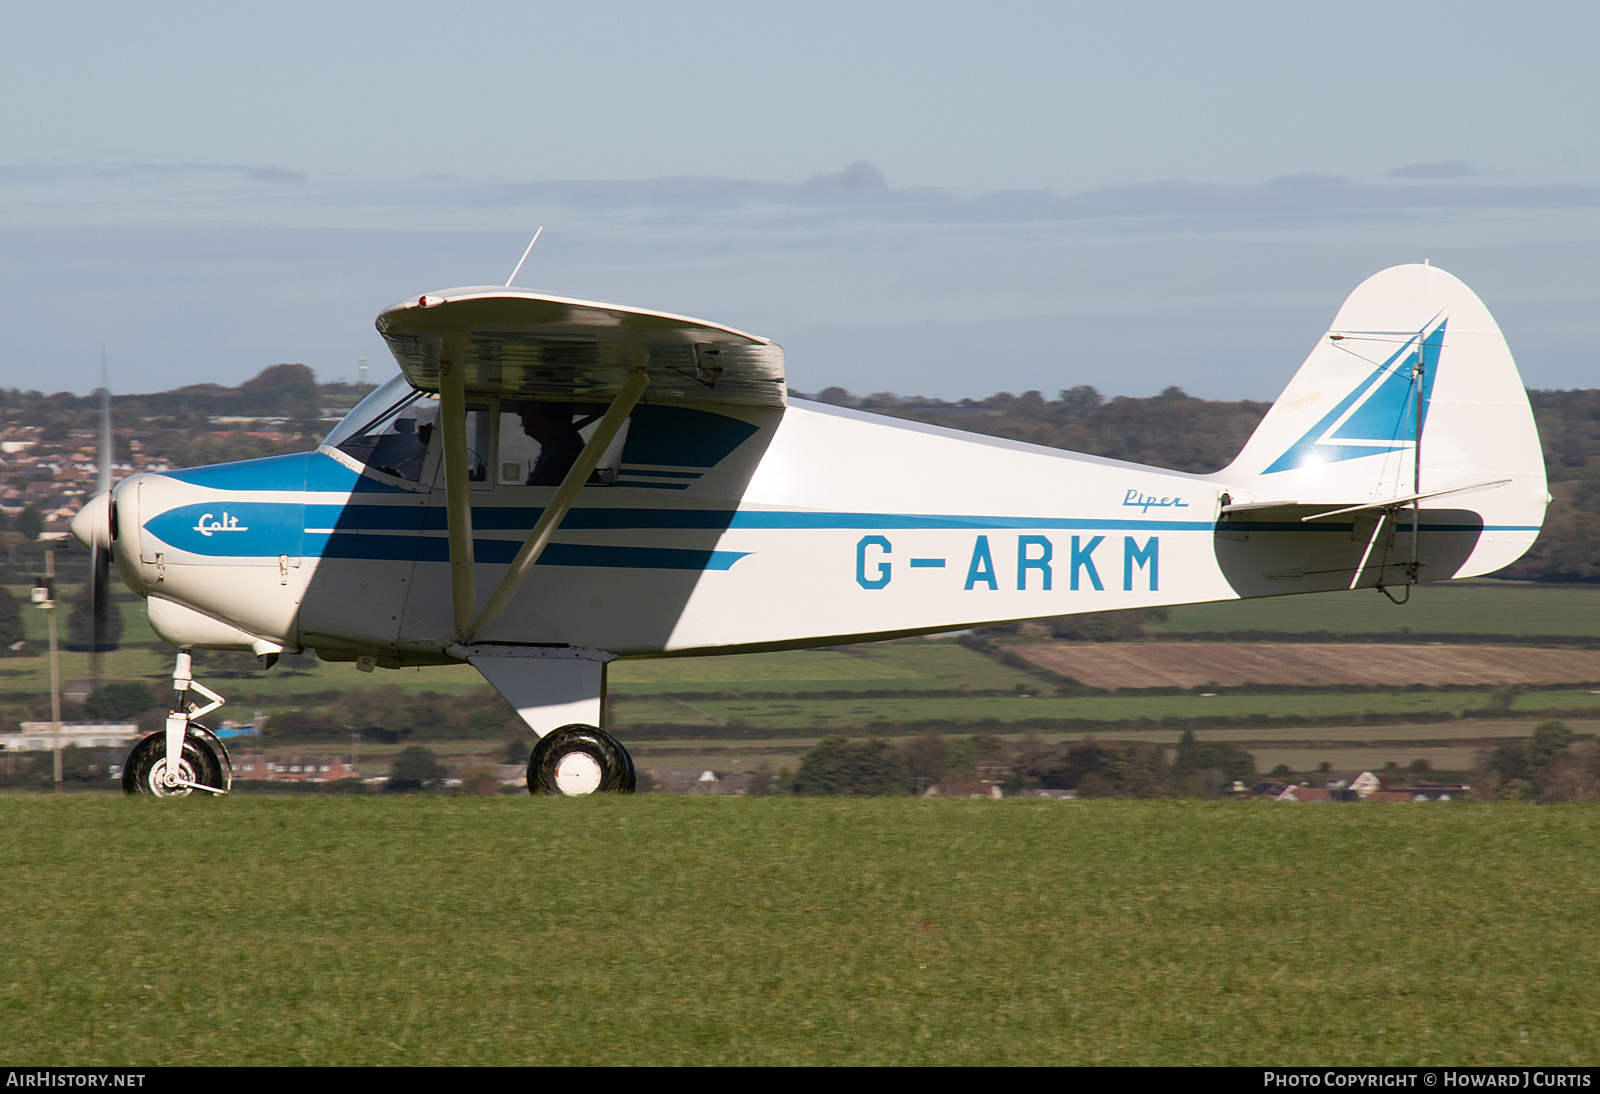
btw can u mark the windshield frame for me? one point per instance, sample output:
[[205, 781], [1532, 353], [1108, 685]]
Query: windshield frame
[[382, 402]]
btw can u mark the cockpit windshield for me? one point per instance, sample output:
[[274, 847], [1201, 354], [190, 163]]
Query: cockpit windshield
[[389, 430]]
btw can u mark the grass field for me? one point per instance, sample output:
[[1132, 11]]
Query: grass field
[[924, 677], [788, 931], [1477, 608], [907, 666], [903, 666], [889, 666], [823, 714], [1308, 664]]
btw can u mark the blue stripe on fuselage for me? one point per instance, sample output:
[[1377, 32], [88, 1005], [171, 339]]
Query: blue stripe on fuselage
[[256, 528], [343, 527], [502, 551]]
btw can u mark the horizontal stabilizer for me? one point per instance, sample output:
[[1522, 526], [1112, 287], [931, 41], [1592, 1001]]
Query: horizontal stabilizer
[[1334, 509]]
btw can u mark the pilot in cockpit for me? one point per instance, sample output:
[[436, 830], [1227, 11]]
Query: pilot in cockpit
[[555, 428]]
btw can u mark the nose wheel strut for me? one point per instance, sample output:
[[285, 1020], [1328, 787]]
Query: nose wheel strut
[[186, 757]]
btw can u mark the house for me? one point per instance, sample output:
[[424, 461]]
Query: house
[[955, 789], [38, 736], [1350, 785], [296, 768], [1434, 792], [1305, 794]]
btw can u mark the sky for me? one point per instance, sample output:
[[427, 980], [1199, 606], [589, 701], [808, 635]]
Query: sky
[[930, 199]]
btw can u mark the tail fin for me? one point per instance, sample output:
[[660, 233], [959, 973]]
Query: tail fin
[[1412, 355]]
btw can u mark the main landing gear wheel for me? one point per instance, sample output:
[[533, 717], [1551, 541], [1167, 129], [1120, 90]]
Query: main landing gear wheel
[[578, 759], [146, 769]]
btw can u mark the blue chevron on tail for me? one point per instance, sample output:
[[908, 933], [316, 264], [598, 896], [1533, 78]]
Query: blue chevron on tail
[[1379, 415]]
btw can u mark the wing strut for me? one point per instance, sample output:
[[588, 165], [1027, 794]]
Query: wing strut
[[452, 409], [457, 492]]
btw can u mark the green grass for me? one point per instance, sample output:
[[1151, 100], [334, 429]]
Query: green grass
[[782, 931], [889, 666], [36, 621], [1434, 609], [1585, 699], [293, 677]]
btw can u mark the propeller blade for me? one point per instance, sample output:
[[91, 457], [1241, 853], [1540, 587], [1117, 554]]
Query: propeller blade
[[100, 605], [99, 608], [103, 462]]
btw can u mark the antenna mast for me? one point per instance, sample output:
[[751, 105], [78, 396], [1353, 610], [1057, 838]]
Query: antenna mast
[[524, 257]]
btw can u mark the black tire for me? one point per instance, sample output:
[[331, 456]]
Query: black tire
[[142, 772], [584, 744]]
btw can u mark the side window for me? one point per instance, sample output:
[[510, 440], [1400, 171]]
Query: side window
[[396, 442], [540, 441], [519, 453], [480, 419]]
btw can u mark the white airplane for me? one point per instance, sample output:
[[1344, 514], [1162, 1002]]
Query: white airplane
[[551, 484]]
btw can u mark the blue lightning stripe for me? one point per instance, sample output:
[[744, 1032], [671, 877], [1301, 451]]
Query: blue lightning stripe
[[502, 551]]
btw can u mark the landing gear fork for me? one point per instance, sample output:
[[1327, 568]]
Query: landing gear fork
[[181, 724]]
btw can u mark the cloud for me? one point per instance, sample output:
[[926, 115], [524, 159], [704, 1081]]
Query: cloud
[[152, 174], [277, 176], [1447, 169], [859, 178], [178, 193], [860, 191]]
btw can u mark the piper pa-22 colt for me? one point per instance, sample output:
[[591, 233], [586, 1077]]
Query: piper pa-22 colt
[[551, 484]]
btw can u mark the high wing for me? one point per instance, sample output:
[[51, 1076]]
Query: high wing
[[535, 346]]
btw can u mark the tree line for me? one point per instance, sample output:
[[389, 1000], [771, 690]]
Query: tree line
[[959, 766]]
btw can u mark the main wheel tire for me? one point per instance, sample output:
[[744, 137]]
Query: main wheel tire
[[576, 760], [146, 767]]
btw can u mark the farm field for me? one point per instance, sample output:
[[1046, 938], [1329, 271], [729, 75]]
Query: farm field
[[896, 666], [916, 665], [811, 716], [1482, 607], [1485, 607], [294, 676], [905, 667], [1233, 664], [792, 931]]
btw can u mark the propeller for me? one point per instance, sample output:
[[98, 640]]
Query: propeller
[[93, 528]]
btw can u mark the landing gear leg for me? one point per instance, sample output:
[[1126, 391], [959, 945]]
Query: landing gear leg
[[187, 756], [560, 693]]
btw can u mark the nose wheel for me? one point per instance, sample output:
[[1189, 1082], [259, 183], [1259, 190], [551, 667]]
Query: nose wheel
[[578, 759], [146, 771], [186, 756]]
